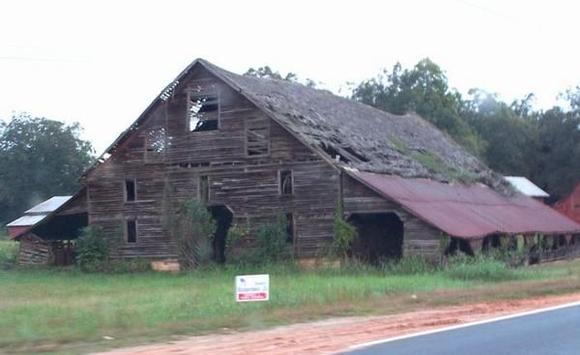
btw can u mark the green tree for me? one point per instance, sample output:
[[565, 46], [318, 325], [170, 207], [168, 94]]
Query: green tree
[[423, 89], [39, 158], [511, 139]]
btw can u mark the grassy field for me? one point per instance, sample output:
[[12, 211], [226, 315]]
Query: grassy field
[[68, 311]]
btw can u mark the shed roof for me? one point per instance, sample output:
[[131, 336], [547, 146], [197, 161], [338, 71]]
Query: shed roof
[[36, 215], [525, 186], [469, 211]]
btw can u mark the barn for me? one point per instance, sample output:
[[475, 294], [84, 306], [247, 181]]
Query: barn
[[570, 205], [252, 149]]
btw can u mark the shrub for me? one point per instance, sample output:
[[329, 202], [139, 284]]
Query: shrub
[[269, 245], [8, 254], [126, 266], [345, 235], [92, 250], [193, 231]]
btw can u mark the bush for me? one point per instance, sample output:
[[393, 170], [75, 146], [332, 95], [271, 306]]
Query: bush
[[8, 254], [92, 250], [270, 244], [193, 231], [345, 235]]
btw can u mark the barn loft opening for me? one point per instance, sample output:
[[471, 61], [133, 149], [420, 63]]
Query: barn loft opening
[[380, 237], [203, 112], [223, 218]]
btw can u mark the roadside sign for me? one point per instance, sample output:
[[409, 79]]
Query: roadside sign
[[251, 288]]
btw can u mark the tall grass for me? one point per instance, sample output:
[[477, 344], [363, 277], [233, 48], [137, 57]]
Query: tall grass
[[66, 305]]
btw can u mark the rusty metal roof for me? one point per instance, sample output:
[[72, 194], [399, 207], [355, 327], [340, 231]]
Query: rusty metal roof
[[469, 211]]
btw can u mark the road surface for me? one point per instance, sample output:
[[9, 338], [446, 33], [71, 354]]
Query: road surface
[[551, 332]]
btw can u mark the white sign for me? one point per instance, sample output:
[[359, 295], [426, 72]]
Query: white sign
[[252, 288]]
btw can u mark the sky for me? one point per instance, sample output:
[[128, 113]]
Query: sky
[[101, 63]]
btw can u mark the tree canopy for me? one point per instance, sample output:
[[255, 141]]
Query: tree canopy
[[39, 158]]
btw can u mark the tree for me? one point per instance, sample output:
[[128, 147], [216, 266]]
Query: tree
[[424, 90], [39, 158], [269, 73], [511, 140]]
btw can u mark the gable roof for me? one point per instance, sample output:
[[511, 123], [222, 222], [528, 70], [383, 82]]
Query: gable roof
[[365, 138]]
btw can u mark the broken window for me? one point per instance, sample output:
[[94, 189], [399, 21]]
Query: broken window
[[286, 182], [203, 111], [203, 188], [131, 231], [130, 190], [155, 143], [257, 137]]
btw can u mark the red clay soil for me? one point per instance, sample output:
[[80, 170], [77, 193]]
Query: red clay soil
[[336, 335]]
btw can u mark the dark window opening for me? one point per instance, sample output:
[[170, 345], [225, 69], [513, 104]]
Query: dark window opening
[[204, 188], [286, 182], [290, 228], [203, 112], [131, 231], [130, 190]]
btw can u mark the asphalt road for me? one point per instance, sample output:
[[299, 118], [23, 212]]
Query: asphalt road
[[551, 332]]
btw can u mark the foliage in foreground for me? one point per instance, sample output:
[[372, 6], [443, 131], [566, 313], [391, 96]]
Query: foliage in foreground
[[193, 228], [8, 254], [92, 250], [270, 244]]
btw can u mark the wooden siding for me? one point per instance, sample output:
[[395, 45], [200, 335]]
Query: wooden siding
[[33, 251], [247, 184]]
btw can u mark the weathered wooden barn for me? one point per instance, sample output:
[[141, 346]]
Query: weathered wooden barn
[[253, 148]]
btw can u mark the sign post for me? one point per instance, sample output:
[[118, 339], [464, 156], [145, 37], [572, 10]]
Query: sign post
[[251, 288]]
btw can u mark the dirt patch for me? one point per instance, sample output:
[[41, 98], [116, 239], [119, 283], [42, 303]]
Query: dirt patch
[[335, 335]]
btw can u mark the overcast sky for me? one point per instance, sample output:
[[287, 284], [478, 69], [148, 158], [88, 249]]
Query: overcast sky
[[102, 62]]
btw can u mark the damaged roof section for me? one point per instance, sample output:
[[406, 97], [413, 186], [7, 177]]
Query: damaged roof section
[[469, 211], [362, 137], [352, 134]]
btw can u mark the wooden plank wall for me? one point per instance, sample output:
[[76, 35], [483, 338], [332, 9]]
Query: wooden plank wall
[[419, 237], [248, 185], [33, 251]]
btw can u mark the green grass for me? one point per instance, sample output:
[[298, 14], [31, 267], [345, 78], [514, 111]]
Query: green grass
[[60, 307]]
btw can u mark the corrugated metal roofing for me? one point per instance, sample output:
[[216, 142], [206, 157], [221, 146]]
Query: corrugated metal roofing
[[525, 186], [36, 215], [469, 211], [50, 205], [26, 220]]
